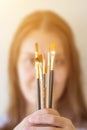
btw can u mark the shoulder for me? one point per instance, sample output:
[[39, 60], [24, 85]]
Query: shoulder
[[4, 120]]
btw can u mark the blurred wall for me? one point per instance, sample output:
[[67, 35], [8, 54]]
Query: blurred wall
[[11, 13]]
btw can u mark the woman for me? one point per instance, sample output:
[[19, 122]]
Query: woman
[[69, 111]]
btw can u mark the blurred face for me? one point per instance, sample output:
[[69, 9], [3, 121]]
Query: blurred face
[[26, 66]]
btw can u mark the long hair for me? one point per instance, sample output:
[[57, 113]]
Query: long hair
[[71, 104]]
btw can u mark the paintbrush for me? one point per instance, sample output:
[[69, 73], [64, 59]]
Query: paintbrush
[[51, 78], [44, 83], [37, 76], [48, 75], [41, 78]]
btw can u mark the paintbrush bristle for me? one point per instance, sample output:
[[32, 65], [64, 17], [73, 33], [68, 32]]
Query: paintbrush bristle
[[53, 47], [49, 49], [40, 57], [36, 47]]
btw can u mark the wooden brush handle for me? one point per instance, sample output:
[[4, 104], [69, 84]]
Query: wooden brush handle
[[43, 98], [51, 88], [38, 95], [44, 92]]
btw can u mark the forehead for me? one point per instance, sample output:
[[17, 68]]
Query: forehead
[[44, 39]]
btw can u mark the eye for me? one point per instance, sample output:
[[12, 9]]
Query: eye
[[59, 62], [29, 61], [32, 61]]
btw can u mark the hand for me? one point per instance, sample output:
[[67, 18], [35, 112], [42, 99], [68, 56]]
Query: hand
[[45, 119]]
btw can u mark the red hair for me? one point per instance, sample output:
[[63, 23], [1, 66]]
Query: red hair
[[71, 103]]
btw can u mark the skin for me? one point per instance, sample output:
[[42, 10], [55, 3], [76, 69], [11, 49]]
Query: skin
[[44, 119]]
